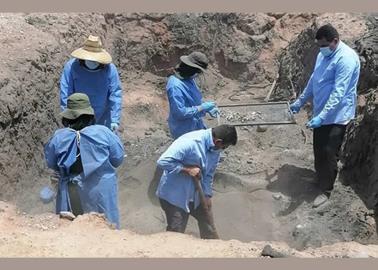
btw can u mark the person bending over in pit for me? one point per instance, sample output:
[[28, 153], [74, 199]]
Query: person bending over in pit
[[85, 156], [192, 157]]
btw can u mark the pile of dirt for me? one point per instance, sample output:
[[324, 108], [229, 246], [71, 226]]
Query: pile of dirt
[[366, 46], [360, 152], [89, 236]]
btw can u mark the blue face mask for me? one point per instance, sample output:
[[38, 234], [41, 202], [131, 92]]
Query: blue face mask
[[91, 64], [326, 51]]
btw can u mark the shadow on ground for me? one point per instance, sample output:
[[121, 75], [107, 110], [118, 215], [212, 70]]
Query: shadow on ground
[[295, 182]]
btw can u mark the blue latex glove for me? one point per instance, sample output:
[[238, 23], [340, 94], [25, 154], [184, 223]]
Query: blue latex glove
[[314, 122], [294, 107], [214, 112], [114, 127], [208, 106]]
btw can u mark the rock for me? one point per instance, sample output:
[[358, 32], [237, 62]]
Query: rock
[[269, 251], [277, 196], [261, 128], [299, 230]]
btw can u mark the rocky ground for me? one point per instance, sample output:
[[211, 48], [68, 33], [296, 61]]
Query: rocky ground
[[263, 189]]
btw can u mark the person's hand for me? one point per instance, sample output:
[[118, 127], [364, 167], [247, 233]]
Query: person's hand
[[295, 107], [314, 122], [193, 171], [208, 106], [214, 112], [114, 127]]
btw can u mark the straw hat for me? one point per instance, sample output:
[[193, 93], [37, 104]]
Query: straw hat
[[93, 50], [77, 105]]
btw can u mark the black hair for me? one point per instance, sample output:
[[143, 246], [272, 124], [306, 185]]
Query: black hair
[[226, 133], [186, 71], [79, 123], [328, 32]]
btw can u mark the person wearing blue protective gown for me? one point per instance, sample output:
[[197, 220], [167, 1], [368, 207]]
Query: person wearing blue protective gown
[[92, 72], [85, 157], [333, 90], [194, 156], [186, 107]]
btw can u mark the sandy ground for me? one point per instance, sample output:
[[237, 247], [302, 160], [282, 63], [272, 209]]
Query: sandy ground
[[89, 236]]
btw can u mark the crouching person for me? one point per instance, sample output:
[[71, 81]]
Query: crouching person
[[192, 157], [85, 156]]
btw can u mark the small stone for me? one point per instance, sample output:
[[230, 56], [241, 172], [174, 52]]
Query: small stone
[[261, 128], [277, 196], [269, 251]]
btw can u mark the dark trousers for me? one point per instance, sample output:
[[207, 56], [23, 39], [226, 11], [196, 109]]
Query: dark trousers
[[177, 219], [75, 201], [327, 141]]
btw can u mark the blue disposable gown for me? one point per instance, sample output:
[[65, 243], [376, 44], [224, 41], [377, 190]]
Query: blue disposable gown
[[183, 97], [101, 152], [333, 86], [193, 148], [103, 88]]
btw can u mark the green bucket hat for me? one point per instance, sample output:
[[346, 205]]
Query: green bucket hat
[[77, 105], [196, 59]]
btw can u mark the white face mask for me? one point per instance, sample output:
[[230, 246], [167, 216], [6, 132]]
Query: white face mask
[[91, 64]]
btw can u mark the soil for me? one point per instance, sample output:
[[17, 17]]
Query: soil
[[264, 187]]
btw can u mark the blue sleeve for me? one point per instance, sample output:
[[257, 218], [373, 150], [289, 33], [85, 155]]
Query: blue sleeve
[[307, 92], [116, 150], [343, 75], [66, 85], [115, 95], [172, 159], [50, 155], [177, 104], [208, 179]]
